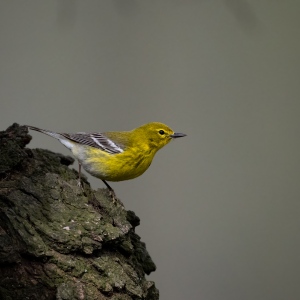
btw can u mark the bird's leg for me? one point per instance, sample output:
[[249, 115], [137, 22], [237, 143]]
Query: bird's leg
[[79, 175], [107, 185], [111, 191]]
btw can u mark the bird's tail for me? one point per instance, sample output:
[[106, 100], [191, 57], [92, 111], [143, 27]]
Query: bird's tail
[[56, 135], [62, 137]]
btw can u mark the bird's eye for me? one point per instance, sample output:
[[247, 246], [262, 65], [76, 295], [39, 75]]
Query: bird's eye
[[161, 132]]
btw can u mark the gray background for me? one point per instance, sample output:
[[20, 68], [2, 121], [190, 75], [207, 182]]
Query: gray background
[[219, 208]]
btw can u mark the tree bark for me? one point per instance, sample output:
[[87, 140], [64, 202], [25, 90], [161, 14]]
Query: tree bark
[[59, 241]]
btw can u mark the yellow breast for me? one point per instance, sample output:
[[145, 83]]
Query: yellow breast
[[114, 167]]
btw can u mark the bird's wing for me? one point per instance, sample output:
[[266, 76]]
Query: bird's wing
[[96, 140]]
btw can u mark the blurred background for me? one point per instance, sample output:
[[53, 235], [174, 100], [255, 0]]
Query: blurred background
[[219, 208]]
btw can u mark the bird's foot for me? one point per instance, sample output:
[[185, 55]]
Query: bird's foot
[[79, 184], [114, 198]]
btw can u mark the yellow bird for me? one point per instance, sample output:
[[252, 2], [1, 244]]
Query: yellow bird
[[116, 155]]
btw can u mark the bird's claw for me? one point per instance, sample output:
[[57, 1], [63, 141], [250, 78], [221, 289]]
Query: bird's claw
[[114, 198], [79, 184]]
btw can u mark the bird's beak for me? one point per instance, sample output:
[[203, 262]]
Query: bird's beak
[[177, 135]]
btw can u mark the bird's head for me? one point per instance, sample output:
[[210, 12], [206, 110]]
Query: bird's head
[[156, 135]]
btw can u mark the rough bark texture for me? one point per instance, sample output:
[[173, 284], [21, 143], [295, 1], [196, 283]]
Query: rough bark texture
[[58, 241]]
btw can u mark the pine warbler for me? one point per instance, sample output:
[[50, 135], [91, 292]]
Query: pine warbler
[[118, 155]]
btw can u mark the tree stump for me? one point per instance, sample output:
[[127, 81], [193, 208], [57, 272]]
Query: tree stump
[[59, 241]]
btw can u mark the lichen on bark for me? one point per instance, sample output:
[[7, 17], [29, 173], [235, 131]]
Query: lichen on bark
[[59, 241]]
